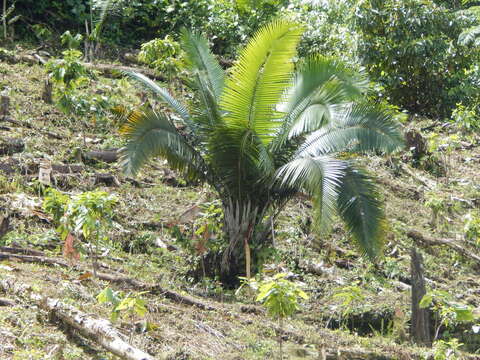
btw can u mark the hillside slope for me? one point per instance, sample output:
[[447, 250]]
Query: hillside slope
[[355, 310]]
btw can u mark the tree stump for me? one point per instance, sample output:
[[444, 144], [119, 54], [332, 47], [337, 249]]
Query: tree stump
[[416, 143], [4, 106], [47, 92], [420, 326]]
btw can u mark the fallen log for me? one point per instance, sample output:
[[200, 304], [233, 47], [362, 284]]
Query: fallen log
[[22, 251], [115, 71], [429, 241], [6, 302], [121, 280], [422, 180], [155, 290], [107, 70], [100, 331], [10, 146], [108, 156], [30, 126], [34, 259]]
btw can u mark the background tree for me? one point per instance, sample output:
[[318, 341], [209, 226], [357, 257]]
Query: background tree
[[410, 48], [265, 133]]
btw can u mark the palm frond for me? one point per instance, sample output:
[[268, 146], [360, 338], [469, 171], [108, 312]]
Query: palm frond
[[209, 116], [103, 8], [318, 176], [356, 128], [202, 62], [240, 160], [150, 134], [259, 79], [320, 84], [162, 94], [361, 210]]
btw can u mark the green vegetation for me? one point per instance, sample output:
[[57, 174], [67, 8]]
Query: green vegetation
[[88, 215], [281, 299], [266, 132], [186, 147]]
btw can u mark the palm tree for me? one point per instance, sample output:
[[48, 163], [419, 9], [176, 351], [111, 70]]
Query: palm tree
[[268, 131]]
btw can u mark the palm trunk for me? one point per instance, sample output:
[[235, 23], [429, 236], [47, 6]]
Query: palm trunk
[[241, 220]]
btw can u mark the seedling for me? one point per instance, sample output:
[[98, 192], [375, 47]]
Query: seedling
[[448, 312], [280, 297], [88, 214], [128, 307], [436, 204], [472, 227]]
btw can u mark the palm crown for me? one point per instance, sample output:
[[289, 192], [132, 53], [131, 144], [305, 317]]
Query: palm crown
[[267, 131]]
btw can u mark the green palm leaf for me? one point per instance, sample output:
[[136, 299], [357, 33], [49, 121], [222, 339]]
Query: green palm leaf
[[259, 79], [150, 134], [202, 63], [240, 160], [318, 176], [356, 128], [361, 210], [320, 84], [162, 94]]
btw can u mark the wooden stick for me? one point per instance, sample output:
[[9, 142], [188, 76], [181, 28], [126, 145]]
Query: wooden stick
[[426, 240], [99, 330]]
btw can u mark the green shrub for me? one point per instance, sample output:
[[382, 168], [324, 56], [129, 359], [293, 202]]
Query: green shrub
[[330, 27], [165, 56], [410, 47], [466, 118]]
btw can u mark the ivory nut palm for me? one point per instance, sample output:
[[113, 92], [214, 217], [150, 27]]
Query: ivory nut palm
[[265, 132]]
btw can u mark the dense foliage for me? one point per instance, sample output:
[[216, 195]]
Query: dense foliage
[[411, 48], [227, 22]]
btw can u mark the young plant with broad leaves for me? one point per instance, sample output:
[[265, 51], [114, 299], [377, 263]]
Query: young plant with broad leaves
[[264, 133]]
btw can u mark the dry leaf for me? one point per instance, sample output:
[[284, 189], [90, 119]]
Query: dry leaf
[[85, 276], [69, 250]]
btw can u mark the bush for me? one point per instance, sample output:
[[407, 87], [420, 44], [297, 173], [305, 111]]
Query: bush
[[330, 27], [165, 56], [410, 47]]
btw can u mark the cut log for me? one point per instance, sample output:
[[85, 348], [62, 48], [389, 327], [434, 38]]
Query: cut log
[[4, 225], [106, 179], [116, 71], [4, 106], [420, 324], [6, 302], [9, 146], [47, 92], [424, 240], [100, 331], [416, 143], [108, 156]]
